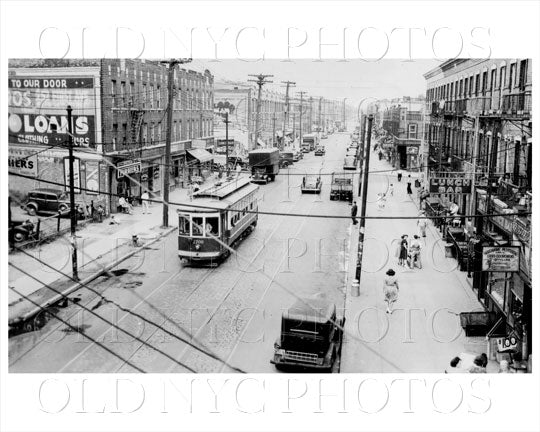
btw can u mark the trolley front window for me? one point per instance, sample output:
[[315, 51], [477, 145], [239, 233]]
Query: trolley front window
[[199, 226]]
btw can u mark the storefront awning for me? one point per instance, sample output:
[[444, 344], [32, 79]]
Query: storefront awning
[[200, 154]]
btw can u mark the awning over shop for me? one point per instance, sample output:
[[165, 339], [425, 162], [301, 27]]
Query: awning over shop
[[200, 154]]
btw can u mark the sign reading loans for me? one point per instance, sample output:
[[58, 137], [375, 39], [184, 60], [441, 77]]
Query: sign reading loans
[[449, 185], [500, 258]]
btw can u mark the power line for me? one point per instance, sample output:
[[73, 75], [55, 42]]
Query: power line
[[105, 319], [159, 327], [72, 327], [306, 215]]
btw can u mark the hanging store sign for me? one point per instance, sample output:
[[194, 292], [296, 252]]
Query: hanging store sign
[[76, 174], [521, 230], [500, 258], [123, 169], [449, 185]]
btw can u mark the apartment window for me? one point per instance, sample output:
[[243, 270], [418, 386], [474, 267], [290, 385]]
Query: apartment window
[[151, 96], [152, 133], [523, 74], [113, 92], [412, 131], [159, 132], [502, 78], [477, 84], [451, 90], [182, 132], [466, 92], [512, 76], [132, 92], [144, 133], [158, 97], [144, 95], [114, 134], [484, 82], [124, 133], [123, 93], [461, 87], [493, 80]]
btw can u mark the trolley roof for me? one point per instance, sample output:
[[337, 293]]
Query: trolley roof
[[220, 197]]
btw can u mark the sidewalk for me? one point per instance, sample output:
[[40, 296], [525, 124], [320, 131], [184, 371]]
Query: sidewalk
[[424, 332], [99, 245]]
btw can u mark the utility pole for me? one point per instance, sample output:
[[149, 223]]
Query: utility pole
[[362, 148], [274, 129], [261, 80], [288, 84], [302, 93], [310, 114], [166, 166], [319, 120], [227, 140], [72, 210], [365, 185]]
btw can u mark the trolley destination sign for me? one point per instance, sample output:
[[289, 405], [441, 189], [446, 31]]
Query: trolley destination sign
[[456, 185]]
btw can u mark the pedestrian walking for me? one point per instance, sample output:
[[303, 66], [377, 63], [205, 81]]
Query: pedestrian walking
[[390, 289], [403, 250], [409, 185], [399, 175], [354, 211], [145, 197], [391, 189], [414, 253], [478, 365], [422, 223]]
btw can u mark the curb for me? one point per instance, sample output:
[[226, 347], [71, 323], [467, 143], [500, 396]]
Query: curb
[[88, 279]]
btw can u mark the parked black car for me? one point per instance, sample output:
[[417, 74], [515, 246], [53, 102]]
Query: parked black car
[[46, 200]]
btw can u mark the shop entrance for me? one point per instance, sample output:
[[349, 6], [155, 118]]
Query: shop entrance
[[402, 157]]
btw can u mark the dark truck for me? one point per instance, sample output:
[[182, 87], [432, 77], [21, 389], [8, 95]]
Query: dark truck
[[311, 336], [286, 158], [341, 188], [264, 164]]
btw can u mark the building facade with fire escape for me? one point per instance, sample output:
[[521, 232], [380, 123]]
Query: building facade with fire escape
[[479, 128], [134, 125]]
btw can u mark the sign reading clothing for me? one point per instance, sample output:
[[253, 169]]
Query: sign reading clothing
[[449, 185], [500, 258]]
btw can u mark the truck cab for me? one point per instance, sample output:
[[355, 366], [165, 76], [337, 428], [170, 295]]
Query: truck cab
[[311, 336]]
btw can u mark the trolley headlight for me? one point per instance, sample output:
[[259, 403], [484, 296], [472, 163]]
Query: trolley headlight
[[197, 246]]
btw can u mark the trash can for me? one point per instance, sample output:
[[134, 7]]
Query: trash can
[[448, 250]]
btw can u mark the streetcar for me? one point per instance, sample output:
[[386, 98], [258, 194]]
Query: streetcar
[[217, 219]]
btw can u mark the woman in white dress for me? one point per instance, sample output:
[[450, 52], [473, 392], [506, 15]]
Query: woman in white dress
[[390, 289]]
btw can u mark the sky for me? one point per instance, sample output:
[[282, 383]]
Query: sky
[[354, 79]]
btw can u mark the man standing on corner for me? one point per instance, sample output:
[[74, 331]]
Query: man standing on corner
[[354, 211]]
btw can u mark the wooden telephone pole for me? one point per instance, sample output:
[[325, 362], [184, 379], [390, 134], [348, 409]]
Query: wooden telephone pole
[[261, 80], [166, 171], [301, 93], [288, 84]]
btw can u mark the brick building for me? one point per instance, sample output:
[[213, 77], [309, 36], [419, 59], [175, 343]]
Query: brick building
[[479, 127], [121, 105]]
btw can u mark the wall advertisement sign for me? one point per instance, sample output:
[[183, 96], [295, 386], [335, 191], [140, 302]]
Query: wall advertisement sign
[[500, 258], [37, 110], [22, 162], [76, 174]]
